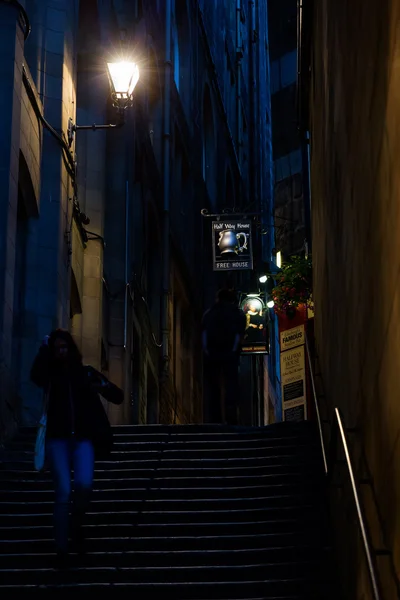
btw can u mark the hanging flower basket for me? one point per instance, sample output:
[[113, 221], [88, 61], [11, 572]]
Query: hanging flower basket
[[293, 286]]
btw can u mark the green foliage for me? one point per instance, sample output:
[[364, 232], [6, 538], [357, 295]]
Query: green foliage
[[293, 285]]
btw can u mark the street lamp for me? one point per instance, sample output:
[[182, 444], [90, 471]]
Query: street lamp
[[123, 77]]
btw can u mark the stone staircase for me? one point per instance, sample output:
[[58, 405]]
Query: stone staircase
[[183, 512]]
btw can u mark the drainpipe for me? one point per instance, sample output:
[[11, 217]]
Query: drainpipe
[[238, 80], [304, 133], [127, 218], [166, 186], [254, 159], [298, 57], [253, 145], [305, 159], [127, 307], [129, 297]]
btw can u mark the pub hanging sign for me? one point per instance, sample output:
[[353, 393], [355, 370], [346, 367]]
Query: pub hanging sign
[[232, 249], [256, 337]]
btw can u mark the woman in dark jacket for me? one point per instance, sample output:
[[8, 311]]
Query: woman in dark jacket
[[75, 417]]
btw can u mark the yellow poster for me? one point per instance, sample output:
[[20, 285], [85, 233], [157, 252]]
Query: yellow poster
[[292, 337]]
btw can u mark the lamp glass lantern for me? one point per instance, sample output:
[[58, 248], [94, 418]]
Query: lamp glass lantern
[[123, 76]]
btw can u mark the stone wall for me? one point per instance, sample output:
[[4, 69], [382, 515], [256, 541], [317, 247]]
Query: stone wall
[[289, 215], [11, 50], [49, 52], [355, 147], [286, 140], [31, 139]]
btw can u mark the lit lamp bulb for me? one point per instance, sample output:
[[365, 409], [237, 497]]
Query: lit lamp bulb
[[270, 304], [124, 76]]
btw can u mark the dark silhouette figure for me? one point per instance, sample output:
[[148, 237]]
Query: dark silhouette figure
[[77, 430], [223, 329]]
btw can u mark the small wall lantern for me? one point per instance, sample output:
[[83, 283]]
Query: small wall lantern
[[123, 77]]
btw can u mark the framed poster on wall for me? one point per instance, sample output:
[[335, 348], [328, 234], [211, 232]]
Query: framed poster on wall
[[293, 382]]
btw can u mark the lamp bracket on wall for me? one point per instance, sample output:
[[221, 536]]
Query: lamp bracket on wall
[[225, 215], [95, 236], [72, 127]]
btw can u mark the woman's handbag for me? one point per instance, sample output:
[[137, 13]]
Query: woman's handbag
[[40, 444]]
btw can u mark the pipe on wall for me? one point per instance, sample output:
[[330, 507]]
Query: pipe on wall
[[238, 80], [253, 142], [166, 186], [303, 130], [127, 217]]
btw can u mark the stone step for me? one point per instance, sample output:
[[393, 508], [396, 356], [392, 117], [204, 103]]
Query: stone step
[[186, 591], [289, 542], [124, 452], [281, 429], [122, 470], [156, 489], [33, 482], [186, 557], [198, 442], [28, 504], [289, 575], [128, 461], [145, 513], [175, 528]]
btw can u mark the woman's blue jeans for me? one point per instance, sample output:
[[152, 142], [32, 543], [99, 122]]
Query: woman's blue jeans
[[65, 455]]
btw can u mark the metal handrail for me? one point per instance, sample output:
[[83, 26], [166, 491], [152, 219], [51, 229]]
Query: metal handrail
[[321, 434], [339, 427]]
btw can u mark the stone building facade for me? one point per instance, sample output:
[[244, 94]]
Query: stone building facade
[[290, 160], [105, 236], [355, 133]]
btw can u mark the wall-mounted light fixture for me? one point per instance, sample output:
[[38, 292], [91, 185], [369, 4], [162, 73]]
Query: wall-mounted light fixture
[[269, 286], [123, 77]]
